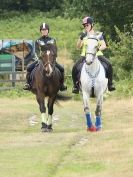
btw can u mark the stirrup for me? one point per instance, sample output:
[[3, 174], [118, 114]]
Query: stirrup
[[75, 90], [63, 88], [111, 87]]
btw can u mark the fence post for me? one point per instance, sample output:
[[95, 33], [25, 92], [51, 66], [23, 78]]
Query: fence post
[[13, 71]]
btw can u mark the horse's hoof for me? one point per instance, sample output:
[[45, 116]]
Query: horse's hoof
[[49, 130], [92, 129], [75, 90], [44, 126], [98, 129], [44, 130]]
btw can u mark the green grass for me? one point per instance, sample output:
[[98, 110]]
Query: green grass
[[69, 151], [27, 26]]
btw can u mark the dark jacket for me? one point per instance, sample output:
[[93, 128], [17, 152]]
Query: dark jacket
[[41, 42]]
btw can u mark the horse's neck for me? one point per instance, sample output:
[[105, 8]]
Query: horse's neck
[[94, 67]]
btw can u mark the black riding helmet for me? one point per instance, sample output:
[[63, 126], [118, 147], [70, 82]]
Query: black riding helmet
[[44, 26], [88, 20]]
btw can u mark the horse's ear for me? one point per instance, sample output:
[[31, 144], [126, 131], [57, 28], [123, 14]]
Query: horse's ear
[[54, 48]]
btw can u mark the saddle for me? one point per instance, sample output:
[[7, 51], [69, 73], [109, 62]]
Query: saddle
[[31, 74]]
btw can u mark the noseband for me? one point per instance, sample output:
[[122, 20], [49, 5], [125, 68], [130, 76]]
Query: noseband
[[92, 58]]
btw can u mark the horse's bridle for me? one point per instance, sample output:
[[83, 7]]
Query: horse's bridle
[[47, 52], [94, 55]]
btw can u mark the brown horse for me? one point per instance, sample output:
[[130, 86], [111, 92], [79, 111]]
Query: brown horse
[[46, 83]]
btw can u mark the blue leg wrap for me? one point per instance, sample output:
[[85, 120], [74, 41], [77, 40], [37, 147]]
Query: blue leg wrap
[[89, 122], [98, 123]]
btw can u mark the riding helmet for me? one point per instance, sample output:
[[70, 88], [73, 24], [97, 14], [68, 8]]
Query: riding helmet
[[44, 26], [88, 20]]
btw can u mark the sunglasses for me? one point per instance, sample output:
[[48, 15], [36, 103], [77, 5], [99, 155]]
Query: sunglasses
[[85, 25]]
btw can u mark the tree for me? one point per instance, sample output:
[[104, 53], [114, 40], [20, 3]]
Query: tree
[[113, 13]]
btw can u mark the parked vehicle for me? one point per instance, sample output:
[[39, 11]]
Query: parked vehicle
[[23, 50]]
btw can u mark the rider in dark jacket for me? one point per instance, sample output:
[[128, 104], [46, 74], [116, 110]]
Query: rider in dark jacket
[[44, 39]]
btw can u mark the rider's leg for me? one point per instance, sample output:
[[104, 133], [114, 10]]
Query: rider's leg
[[29, 69], [61, 69], [75, 71], [75, 79], [109, 72]]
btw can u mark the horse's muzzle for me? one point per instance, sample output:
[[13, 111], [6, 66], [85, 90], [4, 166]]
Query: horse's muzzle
[[89, 63], [90, 58]]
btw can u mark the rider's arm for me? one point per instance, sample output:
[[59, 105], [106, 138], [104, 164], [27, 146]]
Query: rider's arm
[[80, 40], [102, 45], [55, 48], [79, 43], [37, 49]]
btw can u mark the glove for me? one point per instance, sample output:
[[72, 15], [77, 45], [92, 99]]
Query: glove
[[82, 35]]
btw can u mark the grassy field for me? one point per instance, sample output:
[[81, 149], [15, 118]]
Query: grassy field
[[69, 151], [27, 26]]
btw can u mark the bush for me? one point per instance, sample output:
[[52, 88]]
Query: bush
[[122, 56]]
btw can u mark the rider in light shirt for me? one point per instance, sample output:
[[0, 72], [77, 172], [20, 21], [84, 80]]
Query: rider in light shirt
[[88, 25]]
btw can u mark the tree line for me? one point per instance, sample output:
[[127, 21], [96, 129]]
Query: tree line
[[109, 13]]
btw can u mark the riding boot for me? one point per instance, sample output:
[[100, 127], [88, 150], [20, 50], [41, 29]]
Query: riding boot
[[30, 67], [111, 86], [27, 84], [109, 72], [75, 72], [63, 87], [75, 88], [61, 69]]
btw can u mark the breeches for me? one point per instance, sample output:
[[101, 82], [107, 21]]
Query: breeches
[[77, 68]]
